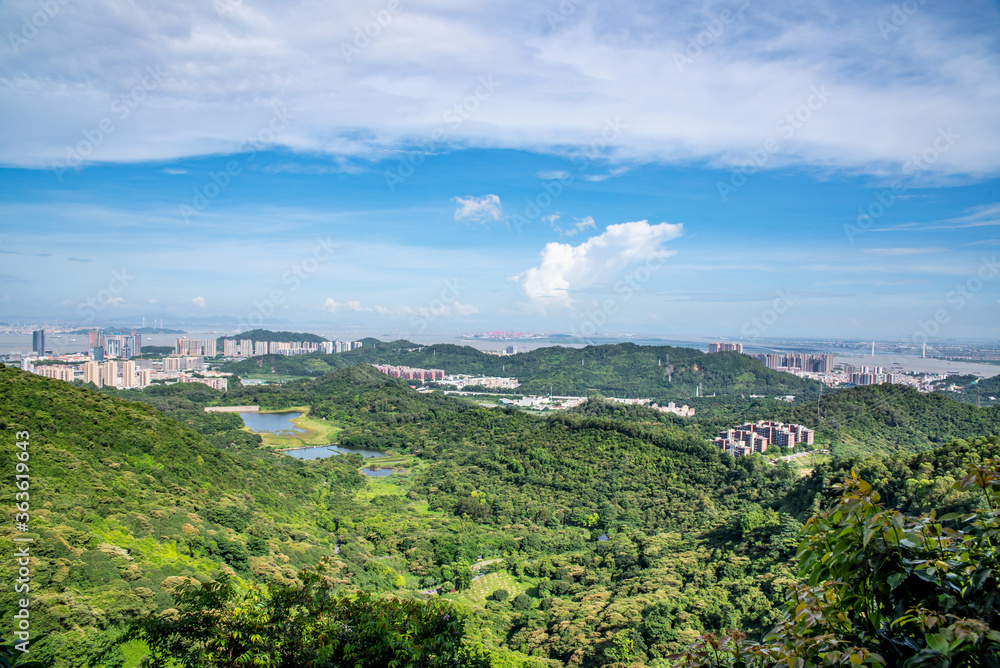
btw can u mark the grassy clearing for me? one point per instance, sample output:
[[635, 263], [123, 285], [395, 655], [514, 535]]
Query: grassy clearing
[[482, 588], [805, 465]]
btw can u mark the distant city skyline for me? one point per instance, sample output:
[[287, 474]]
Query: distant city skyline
[[642, 168]]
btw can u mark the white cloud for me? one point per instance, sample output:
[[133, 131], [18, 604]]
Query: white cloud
[[465, 309], [597, 178], [580, 225], [986, 215], [353, 306], [478, 209], [555, 86], [199, 302], [901, 251], [564, 268]]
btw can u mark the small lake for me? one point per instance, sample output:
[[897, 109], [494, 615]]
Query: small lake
[[279, 424], [324, 451], [376, 473]]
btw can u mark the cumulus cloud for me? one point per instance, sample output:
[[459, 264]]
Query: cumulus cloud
[[483, 209], [199, 302], [352, 306], [564, 268], [633, 60]]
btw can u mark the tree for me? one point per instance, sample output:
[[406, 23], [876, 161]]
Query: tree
[[884, 588], [521, 602], [302, 625], [463, 577], [501, 595]]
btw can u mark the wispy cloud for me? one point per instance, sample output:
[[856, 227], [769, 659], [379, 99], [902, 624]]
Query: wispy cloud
[[483, 209], [557, 85], [597, 178], [987, 215], [352, 306], [901, 251], [199, 302], [579, 225]]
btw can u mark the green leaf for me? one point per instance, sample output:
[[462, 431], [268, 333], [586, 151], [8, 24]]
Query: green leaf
[[896, 579], [937, 642]]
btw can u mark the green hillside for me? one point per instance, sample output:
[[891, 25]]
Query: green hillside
[[605, 527], [622, 370], [974, 389], [127, 503]]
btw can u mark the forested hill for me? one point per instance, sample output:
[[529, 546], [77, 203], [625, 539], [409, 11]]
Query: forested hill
[[885, 418], [126, 503], [855, 422], [622, 370], [267, 335], [973, 388]]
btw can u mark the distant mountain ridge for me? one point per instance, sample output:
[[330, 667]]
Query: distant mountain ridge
[[622, 370]]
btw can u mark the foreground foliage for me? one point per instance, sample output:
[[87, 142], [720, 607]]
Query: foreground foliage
[[881, 587], [308, 624]]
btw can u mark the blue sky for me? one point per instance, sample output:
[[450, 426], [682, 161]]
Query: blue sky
[[627, 168]]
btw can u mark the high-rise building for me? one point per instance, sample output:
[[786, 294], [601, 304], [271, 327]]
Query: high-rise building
[[121, 345], [92, 373], [109, 373], [128, 374], [57, 371], [145, 377], [229, 348], [96, 338], [38, 342], [725, 347], [813, 362]]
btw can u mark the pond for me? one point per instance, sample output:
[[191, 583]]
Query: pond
[[279, 424], [323, 451], [376, 473]]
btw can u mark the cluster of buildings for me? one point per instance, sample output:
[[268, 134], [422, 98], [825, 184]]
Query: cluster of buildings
[[725, 347], [130, 374], [868, 375], [409, 373], [671, 407], [250, 348], [196, 347], [115, 345], [809, 362], [461, 381], [756, 436], [549, 403], [509, 350]]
